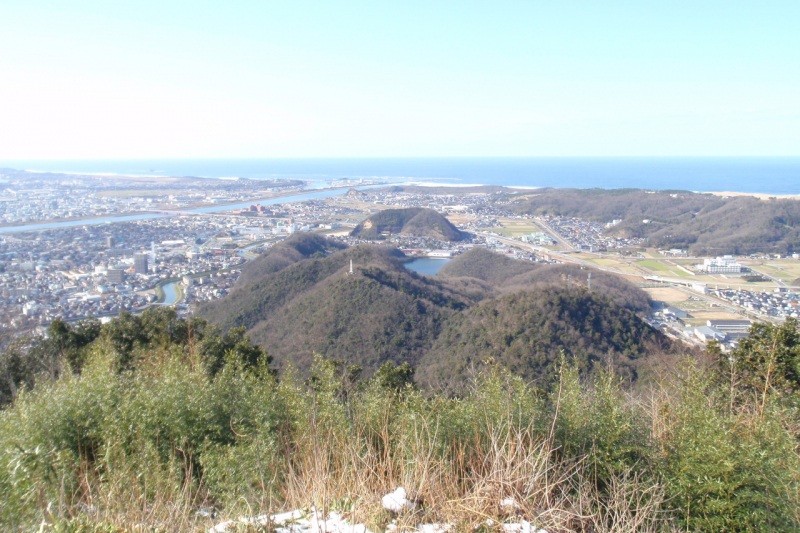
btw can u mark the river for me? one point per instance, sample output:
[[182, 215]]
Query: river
[[170, 293], [111, 219]]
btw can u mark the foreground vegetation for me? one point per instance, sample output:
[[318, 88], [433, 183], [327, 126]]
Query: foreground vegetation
[[147, 426]]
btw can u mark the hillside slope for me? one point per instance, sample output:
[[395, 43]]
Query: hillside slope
[[381, 312], [503, 274], [297, 247], [485, 265]]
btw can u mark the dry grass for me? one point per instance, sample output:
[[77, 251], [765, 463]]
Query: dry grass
[[465, 487]]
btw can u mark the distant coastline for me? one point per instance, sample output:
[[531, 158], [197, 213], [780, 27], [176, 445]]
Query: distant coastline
[[759, 195], [772, 176]]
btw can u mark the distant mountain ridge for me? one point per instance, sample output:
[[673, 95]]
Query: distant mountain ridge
[[705, 224], [416, 221]]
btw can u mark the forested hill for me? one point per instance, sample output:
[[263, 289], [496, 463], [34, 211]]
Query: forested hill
[[482, 264], [523, 315], [529, 331], [297, 247], [506, 275], [415, 221], [705, 224], [382, 312]]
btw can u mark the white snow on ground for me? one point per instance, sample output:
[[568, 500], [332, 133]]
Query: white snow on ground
[[509, 505], [305, 521], [523, 526], [397, 501], [297, 521]]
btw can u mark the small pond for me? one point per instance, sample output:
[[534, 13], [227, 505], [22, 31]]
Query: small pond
[[427, 266]]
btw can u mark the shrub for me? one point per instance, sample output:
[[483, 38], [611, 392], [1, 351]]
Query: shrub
[[727, 471], [597, 422]]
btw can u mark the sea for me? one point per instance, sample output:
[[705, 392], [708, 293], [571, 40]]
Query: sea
[[769, 175]]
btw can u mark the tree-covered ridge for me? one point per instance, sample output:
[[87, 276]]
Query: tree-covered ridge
[[416, 221], [297, 247], [528, 331], [384, 312], [127, 343], [506, 275], [705, 224], [485, 265]]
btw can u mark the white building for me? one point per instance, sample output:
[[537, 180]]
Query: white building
[[726, 264]]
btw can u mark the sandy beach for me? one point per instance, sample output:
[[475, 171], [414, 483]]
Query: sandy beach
[[760, 196]]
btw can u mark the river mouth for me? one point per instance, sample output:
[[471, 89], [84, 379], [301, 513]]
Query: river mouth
[[427, 266]]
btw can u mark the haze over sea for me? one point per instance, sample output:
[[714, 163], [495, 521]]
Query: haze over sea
[[771, 175]]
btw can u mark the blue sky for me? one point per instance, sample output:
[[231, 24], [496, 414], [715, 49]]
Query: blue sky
[[370, 79]]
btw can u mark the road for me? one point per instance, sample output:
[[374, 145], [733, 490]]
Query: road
[[554, 234]]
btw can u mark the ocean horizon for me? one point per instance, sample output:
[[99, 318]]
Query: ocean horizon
[[767, 175]]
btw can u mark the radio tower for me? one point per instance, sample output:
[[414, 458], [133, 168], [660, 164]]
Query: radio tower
[[351, 268], [589, 282]]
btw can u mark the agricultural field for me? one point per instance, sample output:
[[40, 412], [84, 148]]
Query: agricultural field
[[786, 270], [699, 317], [606, 262], [512, 227], [656, 266]]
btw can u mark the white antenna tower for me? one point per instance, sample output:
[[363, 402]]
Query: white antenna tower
[[589, 282], [351, 267]]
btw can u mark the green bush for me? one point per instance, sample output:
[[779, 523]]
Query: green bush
[[596, 422], [48, 437], [728, 471]]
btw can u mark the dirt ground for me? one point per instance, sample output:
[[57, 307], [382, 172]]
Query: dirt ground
[[667, 294]]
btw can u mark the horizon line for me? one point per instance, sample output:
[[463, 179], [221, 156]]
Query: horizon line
[[384, 157]]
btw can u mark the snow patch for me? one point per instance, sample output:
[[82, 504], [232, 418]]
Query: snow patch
[[397, 501]]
